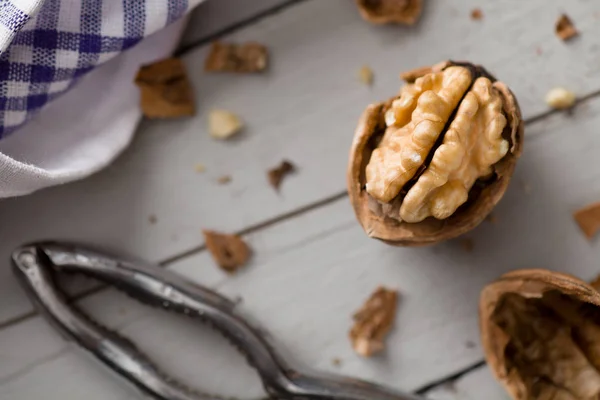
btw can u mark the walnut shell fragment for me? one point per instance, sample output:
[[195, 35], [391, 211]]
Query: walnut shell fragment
[[373, 322], [229, 251], [565, 29], [242, 58], [431, 163], [588, 219], [390, 11], [540, 332], [165, 90], [277, 174]]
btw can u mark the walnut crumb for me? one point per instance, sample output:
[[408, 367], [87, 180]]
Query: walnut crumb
[[242, 58], [224, 180], [223, 124], [199, 168], [560, 98], [276, 174], [152, 219], [229, 251], [588, 219], [365, 75], [165, 91], [467, 244], [336, 362], [373, 321], [476, 14], [565, 28]]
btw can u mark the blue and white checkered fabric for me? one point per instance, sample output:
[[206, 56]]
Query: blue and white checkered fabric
[[46, 45]]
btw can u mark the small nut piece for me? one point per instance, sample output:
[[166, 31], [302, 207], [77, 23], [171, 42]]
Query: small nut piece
[[565, 29], [242, 58], [229, 251], [373, 322], [365, 75], [165, 90], [223, 124], [540, 332], [445, 148], [275, 175], [588, 219], [560, 98], [390, 11]]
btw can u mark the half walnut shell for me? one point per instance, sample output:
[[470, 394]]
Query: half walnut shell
[[431, 163], [540, 331]]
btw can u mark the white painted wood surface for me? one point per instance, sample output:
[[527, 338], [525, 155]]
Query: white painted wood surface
[[213, 16], [313, 270], [304, 109], [477, 385]]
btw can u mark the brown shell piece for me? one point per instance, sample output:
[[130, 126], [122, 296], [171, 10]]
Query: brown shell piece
[[229, 251], [165, 89], [588, 219], [390, 11], [375, 215], [540, 332]]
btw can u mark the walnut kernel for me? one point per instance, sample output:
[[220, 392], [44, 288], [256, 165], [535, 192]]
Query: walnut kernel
[[444, 148], [540, 332], [373, 322], [223, 124], [365, 75], [560, 98]]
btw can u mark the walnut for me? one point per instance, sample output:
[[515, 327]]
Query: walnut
[[431, 163], [390, 11], [540, 332], [241, 58], [165, 90], [373, 322]]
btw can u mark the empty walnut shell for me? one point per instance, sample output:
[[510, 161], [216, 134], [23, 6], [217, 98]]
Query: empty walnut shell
[[540, 331], [431, 163]]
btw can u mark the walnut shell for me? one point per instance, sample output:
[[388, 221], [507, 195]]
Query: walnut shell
[[540, 332], [380, 217]]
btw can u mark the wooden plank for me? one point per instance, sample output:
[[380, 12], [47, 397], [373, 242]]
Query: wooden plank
[[309, 274], [213, 16], [479, 384], [304, 109]]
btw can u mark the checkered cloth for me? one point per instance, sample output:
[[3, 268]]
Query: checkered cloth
[[46, 45]]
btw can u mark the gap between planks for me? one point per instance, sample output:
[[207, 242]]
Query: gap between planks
[[181, 51]]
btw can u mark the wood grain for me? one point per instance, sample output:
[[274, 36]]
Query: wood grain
[[310, 272], [304, 110], [313, 270]]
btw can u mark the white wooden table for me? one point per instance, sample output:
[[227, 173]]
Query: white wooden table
[[313, 265]]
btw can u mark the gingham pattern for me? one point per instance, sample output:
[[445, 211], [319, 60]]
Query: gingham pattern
[[46, 45]]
